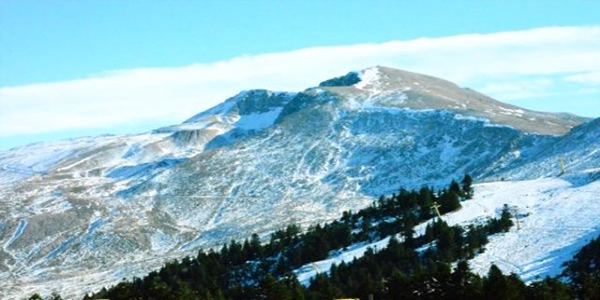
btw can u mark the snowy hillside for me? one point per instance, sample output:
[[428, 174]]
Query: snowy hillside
[[578, 152], [556, 217], [96, 209]]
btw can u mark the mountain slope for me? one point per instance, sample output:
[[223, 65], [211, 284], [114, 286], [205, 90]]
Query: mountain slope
[[547, 234], [577, 151], [114, 206]]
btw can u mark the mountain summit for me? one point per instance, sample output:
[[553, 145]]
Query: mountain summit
[[390, 87], [114, 206]]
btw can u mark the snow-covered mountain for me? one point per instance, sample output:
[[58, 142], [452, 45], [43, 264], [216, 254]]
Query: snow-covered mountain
[[83, 213]]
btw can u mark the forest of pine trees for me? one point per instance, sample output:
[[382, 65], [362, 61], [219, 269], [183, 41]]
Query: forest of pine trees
[[432, 266]]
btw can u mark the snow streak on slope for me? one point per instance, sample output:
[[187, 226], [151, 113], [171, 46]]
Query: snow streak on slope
[[556, 218]]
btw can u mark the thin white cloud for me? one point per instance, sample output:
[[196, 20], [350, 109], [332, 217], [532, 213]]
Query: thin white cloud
[[587, 78], [170, 95], [516, 90]]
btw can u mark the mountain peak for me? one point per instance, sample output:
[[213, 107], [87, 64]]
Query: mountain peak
[[380, 78], [393, 88], [359, 79]]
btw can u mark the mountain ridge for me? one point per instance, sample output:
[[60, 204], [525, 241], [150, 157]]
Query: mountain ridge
[[427, 92]]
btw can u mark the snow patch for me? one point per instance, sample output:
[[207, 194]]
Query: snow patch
[[94, 226], [486, 122], [470, 118], [60, 249], [309, 271], [368, 78], [141, 170], [258, 121], [514, 112], [161, 242], [18, 232]]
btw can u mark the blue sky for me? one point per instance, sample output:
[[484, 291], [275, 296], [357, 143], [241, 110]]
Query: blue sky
[[72, 68]]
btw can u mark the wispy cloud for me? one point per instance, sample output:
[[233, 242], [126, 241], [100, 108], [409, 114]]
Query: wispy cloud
[[517, 90], [502, 64], [592, 78]]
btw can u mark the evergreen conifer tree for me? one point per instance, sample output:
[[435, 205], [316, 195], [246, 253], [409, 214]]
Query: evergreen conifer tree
[[467, 188]]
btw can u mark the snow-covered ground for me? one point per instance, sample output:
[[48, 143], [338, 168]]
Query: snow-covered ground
[[556, 217]]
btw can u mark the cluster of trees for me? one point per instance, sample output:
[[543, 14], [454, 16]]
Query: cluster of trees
[[434, 281], [53, 296], [402, 211], [583, 271], [457, 242], [418, 268], [410, 267]]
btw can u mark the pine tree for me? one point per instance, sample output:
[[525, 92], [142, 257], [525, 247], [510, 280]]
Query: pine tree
[[549, 289], [408, 231], [455, 188], [36, 296], [467, 186], [270, 288], [495, 285], [398, 286], [157, 290], [584, 271], [253, 249], [500, 287], [505, 219], [321, 288], [449, 201], [462, 281]]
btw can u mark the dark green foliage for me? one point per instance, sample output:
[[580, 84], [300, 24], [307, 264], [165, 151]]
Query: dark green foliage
[[467, 189], [500, 287], [449, 201], [36, 296], [322, 288], [456, 242], [287, 288], [455, 188], [53, 296], [584, 271], [549, 289], [504, 223], [465, 285]]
